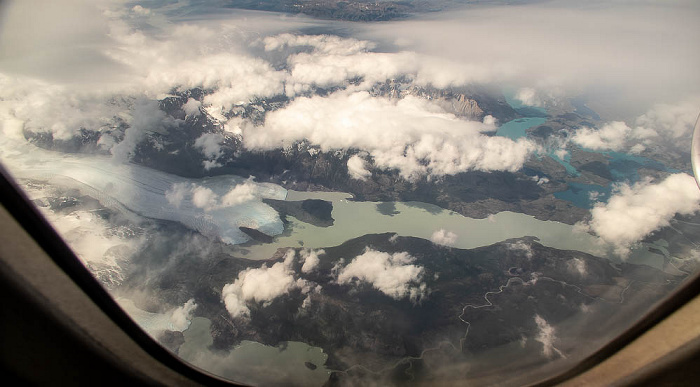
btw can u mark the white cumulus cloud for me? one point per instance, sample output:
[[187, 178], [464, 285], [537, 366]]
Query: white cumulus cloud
[[444, 237], [412, 135], [145, 118], [333, 61], [210, 146], [323, 69], [547, 336], [208, 200], [611, 136], [240, 194], [674, 120], [521, 246], [263, 284], [310, 259], [139, 10], [528, 96], [327, 44], [671, 123], [634, 212], [357, 168], [180, 317], [204, 198], [392, 274], [192, 107], [614, 135], [176, 194]]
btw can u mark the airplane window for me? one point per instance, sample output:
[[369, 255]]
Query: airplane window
[[311, 192]]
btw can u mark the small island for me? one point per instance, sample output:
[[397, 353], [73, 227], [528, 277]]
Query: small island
[[310, 365]]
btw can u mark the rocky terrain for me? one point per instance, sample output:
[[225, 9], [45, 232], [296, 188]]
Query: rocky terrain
[[478, 302]]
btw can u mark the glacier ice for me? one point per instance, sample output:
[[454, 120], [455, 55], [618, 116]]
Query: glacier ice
[[143, 190]]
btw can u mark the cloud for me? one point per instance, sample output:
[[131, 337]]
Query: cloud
[[528, 96], [391, 274], [328, 70], [192, 107], [444, 237], [146, 118], [208, 200], [240, 194], [289, 258], [561, 153], [180, 317], [307, 302], [611, 136], [122, 55], [96, 242], [56, 42], [210, 146], [263, 284], [357, 169], [663, 124], [674, 120], [633, 212], [105, 246], [44, 107], [147, 63], [577, 266], [540, 179], [607, 50], [214, 57], [521, 246], [139, 10], [547, 336], [412, 135], [615, 136], [204, 198], [325, 44], [176, 194], [333, 61], [310, 259]]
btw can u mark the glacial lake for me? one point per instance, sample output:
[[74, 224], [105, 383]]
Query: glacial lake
[[254, 363], [518, 127], [622, 166], [354, 219]]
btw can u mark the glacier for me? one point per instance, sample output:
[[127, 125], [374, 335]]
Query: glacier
[[142, 190]]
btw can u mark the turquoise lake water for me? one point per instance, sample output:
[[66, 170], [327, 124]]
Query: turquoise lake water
[[518, 127], [584, 195], [534, 116], [570, 169], [622, 166]]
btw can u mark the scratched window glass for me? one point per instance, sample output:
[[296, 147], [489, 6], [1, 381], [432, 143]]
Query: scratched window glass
[[364, 192]]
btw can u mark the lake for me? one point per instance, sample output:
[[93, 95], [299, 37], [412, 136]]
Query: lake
[[254, 363], [414, 219]]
